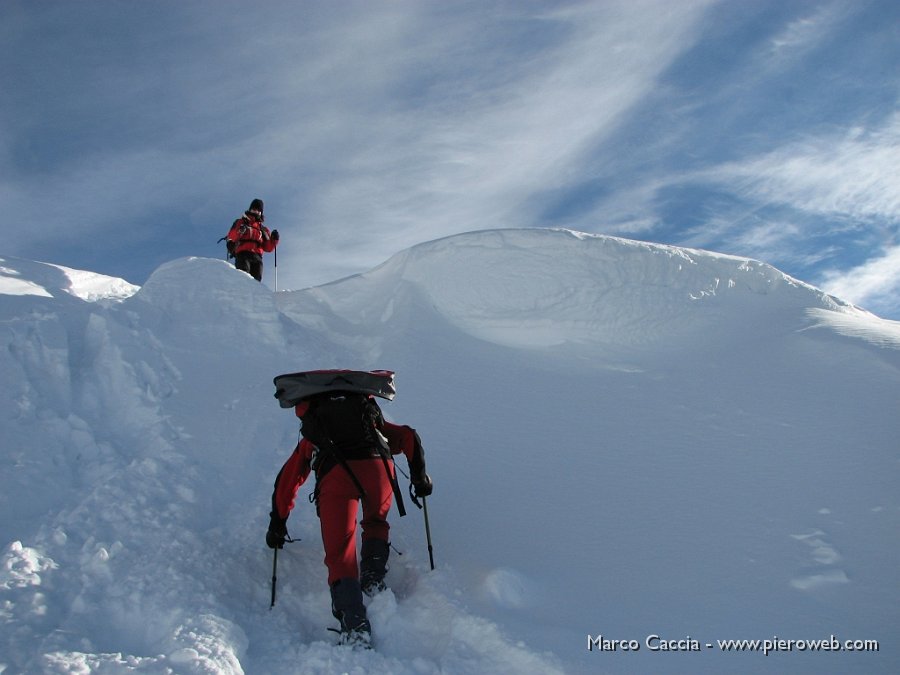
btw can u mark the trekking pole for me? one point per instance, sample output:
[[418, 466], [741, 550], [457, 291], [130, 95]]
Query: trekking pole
[[424, 507], [276, 269], [274, 577], [428, 532]]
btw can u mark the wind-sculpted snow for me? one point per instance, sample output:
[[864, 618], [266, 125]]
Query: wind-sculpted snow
[[860, 324], [24, 277], [626, 440], [528, 288]]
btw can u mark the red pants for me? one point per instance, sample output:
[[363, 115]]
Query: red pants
[[338, 508]]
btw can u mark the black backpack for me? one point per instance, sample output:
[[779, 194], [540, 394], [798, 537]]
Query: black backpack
[[344, 426]]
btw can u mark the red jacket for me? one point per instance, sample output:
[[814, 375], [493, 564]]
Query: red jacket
[[297, 468], [251, 236]]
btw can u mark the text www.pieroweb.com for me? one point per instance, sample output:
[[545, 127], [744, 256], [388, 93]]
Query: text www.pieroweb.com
[[766, 646]]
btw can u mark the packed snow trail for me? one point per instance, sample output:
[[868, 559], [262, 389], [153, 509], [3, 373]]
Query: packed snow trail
[[626, 439]]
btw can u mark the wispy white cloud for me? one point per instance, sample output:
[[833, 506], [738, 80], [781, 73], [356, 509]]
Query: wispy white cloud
[[805, 32], [766, 236], [850, 173], [473, 152], [693, 148]]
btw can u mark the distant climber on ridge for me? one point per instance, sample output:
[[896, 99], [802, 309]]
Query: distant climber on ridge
[[248, 239]]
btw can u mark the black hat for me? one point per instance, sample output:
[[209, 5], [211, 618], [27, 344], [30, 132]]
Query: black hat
[[256, 205]]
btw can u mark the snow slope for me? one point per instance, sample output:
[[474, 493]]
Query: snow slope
[[626, 440]]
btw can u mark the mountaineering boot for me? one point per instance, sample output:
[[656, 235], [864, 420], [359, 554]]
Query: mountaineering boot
[[373, 565], [348, 608]]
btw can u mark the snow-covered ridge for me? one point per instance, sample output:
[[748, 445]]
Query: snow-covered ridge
[[25, 277], [538, 288]]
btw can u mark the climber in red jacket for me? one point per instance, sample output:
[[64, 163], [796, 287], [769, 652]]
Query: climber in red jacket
[[349, 446], [248, 239]]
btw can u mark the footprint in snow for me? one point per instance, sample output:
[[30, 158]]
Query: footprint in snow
[[823, 569]]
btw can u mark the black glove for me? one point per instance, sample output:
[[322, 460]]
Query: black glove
[[277, 533], [275, 235], [423, 486], [230, 245]]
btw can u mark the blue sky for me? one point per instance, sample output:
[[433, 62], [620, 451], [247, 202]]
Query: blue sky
[[133, 133]]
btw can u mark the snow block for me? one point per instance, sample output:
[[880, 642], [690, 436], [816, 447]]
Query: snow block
[[292, 388]]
